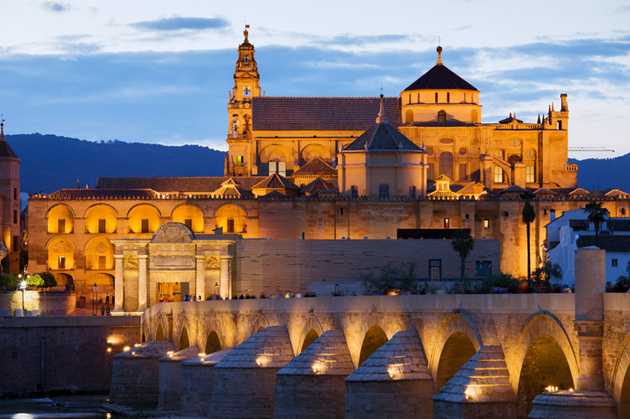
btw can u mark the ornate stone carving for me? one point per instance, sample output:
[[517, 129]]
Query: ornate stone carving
[[173, 233], [131, 262], [102, 247], [61, 247], [213, 263]]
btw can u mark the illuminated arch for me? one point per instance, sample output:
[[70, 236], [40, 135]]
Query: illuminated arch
[[453, 323], [185, 212], [409, 116], [619, 383], [539, 325], [99, 254], [374, 338], [95, 215], [312, 151], [260, 323], [275, 152], [232, 217], [60, 254], [105, 285], [213, 343], [160, 326], [311, 328], [144, 218], [60, 212], [183, 339]]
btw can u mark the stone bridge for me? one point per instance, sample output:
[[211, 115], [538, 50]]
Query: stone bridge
[[459, 355]]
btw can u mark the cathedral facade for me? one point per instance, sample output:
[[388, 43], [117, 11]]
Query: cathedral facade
[[323, 169]]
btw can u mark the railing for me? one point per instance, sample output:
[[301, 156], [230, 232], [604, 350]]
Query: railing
[[571, 167], [516, 126]]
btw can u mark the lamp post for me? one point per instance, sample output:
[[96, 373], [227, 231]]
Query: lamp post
[[23, 288], [94, 294]]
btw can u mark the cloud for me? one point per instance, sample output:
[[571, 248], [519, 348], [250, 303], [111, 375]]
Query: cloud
[[182, 23], [56, 7]]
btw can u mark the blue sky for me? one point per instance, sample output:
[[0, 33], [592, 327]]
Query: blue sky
[[160, 72]]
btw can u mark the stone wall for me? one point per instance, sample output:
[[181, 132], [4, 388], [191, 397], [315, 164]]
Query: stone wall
[[48, 303], [273, 266], [62, 353]]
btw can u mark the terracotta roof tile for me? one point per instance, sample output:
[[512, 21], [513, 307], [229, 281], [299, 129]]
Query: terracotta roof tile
[[275, 181], [173, 184], [316, 167], [320, 113], [76, 194], [318, 185], [544, 191]]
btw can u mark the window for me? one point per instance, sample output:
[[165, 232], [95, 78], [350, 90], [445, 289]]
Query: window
[[436, 97], [559, 124], [341, 211], [230, 225], [102, 224], [448, 97], [623, 211], [530, 174], [15, 217], [102, 261], [442, 117], [246, 91], [188, 222], [61, 262], [446, 223], [354, 191], [435, 269], [320, 223], [498, 175], [145, 225], [615, 263], [483, 268], [514, 143], [531, 153], [383, 191], [61, 225], [462, 151], [15, 244], [486, 223], [431, 172], [498, 153], [412, 192], [463, 175], [15, 194], [506, 214], [446, 164], [279, 167]]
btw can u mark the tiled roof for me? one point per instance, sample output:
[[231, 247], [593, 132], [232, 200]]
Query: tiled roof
[[470, 189], [440, 77], [75, 194], [209, 359], [578, 191], [275, 181], [152, 349], [320, 113], [269, 348], [579, 224], [173, 184], [183, 355], [513, 189], [274, 194], [618, 225], [318, 185], [616, 192], [231, 188], [510, 119], [544, 191], [328, 355], [400, 358], [316, 167], [382, 137], [6, 150], [610, 243]]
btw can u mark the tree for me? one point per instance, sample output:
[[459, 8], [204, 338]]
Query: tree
[[463, 244], [548, 272], [529, 215], [42, 280], [596, 215], [391, 276]]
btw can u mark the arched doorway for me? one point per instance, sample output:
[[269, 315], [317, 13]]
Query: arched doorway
[[544, 365], [457, 350], [311, 337], [374, 339], [213, 344]]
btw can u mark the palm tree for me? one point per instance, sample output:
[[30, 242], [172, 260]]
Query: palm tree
[[463, 243], [529, 215], [597, 215]]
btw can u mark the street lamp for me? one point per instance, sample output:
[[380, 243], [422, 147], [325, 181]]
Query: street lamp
[[23, 288], [94, 294]]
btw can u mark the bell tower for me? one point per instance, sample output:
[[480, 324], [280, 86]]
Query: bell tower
[[246, 86], [10, 188]]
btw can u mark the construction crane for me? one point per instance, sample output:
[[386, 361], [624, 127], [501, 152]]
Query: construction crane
[[590, 149]]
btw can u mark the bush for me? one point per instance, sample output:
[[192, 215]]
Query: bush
[[9, 281], [42, 280], [398, 276]]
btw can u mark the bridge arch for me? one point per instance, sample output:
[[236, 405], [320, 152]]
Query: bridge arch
[[260, 323], [374, 338], [182, 340], [213, 343], [312, 330], [457, 336], [160, 329], [620, 382], [542, 325]]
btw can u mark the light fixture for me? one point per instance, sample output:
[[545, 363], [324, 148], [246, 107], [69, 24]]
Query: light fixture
[[126, 348], [201, 354]]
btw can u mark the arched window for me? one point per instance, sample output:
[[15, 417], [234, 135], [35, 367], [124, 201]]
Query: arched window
[[530, 173], [442, 117], [383, 191], [409, 116], [498, 175], [446, 164], [473, 115]]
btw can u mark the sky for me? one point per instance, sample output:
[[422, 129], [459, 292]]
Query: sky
[[160, 71]]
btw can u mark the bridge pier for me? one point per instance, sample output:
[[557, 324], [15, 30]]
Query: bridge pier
[[480, 389], [197, 379], [136, 375], [393, 382], [245, 380], [171, 378], [312, 385]]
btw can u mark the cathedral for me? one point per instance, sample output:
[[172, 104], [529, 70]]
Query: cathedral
[[314, 168]]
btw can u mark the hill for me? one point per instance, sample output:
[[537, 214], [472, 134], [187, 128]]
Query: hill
[[604, 174], [50, 163]]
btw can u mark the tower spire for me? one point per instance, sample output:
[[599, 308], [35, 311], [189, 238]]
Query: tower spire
[[382, 118], [246, 33], [439, 51], [2, 128]]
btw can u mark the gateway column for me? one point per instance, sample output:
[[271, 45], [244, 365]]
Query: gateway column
[[225, 287], [118, 282], [200, 277], [142, 282]]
